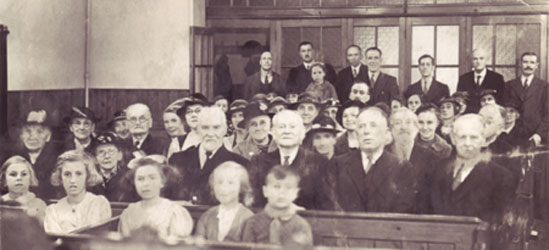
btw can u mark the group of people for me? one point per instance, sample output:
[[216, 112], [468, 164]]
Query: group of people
[[288, 147]]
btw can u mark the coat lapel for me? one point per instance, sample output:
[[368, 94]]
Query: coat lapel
[[533, 90], [381, 173], [355, 171], [476, 178], [379, 85]]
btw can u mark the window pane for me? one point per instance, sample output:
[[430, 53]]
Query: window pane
[[447, 45], [508, 73], [506, 44], [290, 40], [483, 38], [365, 37], [448, 76], [331, 45], [423, 41], [416, 76], [387, 41]]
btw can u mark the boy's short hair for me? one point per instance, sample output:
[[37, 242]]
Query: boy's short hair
[[280, 173]]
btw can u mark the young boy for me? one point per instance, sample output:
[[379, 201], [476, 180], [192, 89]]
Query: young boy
[[278, 223]]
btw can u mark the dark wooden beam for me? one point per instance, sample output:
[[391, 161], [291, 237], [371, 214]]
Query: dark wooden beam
[[3, 81], [374, 11]]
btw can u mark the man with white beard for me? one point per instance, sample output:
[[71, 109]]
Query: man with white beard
[[404, 128]]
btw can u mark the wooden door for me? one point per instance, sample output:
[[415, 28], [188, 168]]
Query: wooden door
[[202, 61]]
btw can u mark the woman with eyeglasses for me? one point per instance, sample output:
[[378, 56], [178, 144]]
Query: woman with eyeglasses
[[189, 115], [112, 168], [81, 122]]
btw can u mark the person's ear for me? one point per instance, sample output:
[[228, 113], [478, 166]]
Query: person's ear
[[48, 136]]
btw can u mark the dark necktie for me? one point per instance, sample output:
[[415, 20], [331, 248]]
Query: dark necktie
[[286, 161], [372, 80], [478, 80], [137, 144], [355, 73], [266, 79], [208, 155], [457, 178], [525, 83]]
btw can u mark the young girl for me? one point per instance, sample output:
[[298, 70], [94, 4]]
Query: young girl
[[76, 170], [231, 186], [166, 217], [17, 176], [320, 88]]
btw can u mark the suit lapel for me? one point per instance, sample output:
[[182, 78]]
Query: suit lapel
[[534, 88], [477, 177], [380, 171], [379, 85], [355, 171]]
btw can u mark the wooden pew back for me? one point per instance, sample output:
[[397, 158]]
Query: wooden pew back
[[375, 230]]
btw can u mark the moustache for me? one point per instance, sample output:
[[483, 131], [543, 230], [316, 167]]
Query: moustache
[[528, 68]]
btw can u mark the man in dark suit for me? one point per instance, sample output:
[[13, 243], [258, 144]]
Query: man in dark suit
[[469, 183], [288, 133], [300, 76], [531, 93], [404, 128], [197, 163], [429, 89], [384, 88], [372, 179], [480, 78], [140, 142], [355, 72], [265, 81]]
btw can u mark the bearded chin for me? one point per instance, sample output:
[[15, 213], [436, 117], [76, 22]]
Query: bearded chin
[[403, 147]]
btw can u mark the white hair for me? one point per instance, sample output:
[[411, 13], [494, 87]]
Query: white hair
[[405, 112], [285, 113], [138, 106], [213, 111]]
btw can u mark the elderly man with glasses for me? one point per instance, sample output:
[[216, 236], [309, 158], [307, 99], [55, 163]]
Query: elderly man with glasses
[[140, 142]]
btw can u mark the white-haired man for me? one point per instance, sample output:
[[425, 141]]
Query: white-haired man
[[371, 179], [288, 132], [140, 142], [197, 163], [469, 183], [404, 128]]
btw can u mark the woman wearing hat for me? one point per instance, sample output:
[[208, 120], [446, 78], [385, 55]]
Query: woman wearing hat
[[347, 116], [35, 135], [112, 169], [189, 115], [174, 126], [330, 108], [81, 123], [258, 124], [308, 108], [322, 136], [236, 115], [119, 125], [449, 108]]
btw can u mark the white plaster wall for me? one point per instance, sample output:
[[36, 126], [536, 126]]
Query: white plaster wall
[[46, 43], [141, 44]]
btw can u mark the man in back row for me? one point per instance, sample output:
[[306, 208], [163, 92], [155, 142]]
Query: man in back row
[[428, 88], [300, 76]]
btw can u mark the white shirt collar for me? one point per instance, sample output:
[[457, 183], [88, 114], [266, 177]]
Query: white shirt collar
[[192, 140], [202, 154], [375, 156], [530, 78], [293, 155], [357, 68], [482, 74], [78, 145], [307, 65]]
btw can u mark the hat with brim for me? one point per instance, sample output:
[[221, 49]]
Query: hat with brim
[[36, 117], [450, 100], [119, 115], [305, 98], [237, 105], [486, 92], [510, 104], [346, 105], [194, 99], [252, 111], [461, 95], [81, 112], [331, 103], [323, 124], [108, 138], [277, 101]]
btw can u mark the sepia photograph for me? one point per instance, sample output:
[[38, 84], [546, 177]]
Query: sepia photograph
[[274, 124]]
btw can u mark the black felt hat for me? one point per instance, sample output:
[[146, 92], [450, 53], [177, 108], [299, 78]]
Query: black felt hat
[[81, 112], [251, 111]]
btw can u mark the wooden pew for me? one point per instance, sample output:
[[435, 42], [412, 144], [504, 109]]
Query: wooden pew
[[375, 230]]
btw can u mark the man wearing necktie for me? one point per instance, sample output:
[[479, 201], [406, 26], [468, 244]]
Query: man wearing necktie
[[428, 88], [300, 76], [371, 179], [140, 143], [480, 78], [266, 80], [288, 132], [356, 71], [197, 163], [531, 95], [384, 87], [469, 183]]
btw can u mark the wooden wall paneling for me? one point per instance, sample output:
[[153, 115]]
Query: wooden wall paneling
[[466, 40]]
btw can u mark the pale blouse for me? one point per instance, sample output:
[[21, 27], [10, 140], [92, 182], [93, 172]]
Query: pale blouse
[[33, 206], [168, 218], [63, 218]]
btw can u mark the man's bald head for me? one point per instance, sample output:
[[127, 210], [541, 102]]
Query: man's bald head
[[468, 135], [479, 59], [288, 129]]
